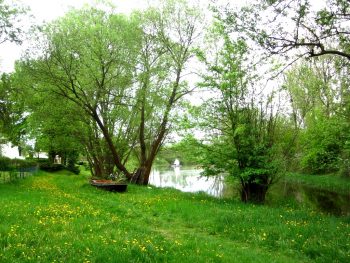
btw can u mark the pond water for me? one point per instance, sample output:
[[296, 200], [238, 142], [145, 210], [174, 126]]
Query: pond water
[[324, 200], [188, 179]]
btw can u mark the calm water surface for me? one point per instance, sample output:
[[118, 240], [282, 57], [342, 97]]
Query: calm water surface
[[188, 179]]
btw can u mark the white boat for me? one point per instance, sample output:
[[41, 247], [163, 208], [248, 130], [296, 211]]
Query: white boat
[[176, 163]]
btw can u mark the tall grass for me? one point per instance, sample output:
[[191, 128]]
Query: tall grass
[[61, 218]]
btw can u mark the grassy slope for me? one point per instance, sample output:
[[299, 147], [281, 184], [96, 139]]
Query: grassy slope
[[60, 218]]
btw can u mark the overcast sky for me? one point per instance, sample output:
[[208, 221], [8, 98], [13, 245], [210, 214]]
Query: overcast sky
[[51, 9], [47, 10]]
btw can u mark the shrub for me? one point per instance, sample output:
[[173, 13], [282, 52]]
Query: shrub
[[24, 163], [51, 167], [320, 161], [74, 169], [7, 164], [72, 160]]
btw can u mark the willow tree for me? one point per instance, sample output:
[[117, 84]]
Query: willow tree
[[170, 33], [124, 73], [88, 57]]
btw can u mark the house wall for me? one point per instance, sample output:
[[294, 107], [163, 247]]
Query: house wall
[[10, 151]]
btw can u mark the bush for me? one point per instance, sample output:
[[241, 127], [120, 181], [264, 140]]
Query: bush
[[7, 164], [40, 160], [74, 169], [345, 169], [54, 167], [24, 163], [51, 167], [320, 161]]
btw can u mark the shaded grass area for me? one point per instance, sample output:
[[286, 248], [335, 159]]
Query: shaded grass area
[[330, 182], [61, 218]]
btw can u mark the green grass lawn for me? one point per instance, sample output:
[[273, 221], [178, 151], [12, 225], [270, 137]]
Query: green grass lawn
[[61, 218]]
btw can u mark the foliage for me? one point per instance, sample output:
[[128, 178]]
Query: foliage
[[169, 37], [245, 144], [61, 126], [189, 151], [12, 117], [322, 146], [317, 98], [344, 169], [10, 15], [7, 164], [121, 74], [87, 60], [72, 161], [298, 27], [51, 167]]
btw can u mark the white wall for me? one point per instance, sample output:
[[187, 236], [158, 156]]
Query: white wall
[[10, 151]]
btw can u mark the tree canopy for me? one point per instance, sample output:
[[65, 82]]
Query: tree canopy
[[294, 29], [10, 15], [110, 87]]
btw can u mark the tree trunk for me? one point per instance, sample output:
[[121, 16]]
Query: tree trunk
[[52, 155], [98, 172], [142, 174], [115, 155], [138, 177], [253, 192]]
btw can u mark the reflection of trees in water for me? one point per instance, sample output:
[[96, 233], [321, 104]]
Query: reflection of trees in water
[[324, 200], [191, 181], [217, 186], [188, 180]]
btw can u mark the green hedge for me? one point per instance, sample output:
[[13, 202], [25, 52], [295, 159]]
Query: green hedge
[[54, 167], [7, 164], [51, 167]]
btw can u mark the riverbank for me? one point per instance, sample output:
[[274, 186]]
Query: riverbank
[[60, 217]]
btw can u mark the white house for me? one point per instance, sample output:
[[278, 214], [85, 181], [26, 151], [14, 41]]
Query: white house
[[10, 151]]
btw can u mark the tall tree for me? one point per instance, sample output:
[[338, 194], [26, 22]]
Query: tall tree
[[316, 96], [295, 28], [124, 73], [170, 34], [12, 108], [245, 139], [88, 57]]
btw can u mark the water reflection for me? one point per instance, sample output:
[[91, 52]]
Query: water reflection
[[188, 180], [325, 201]]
